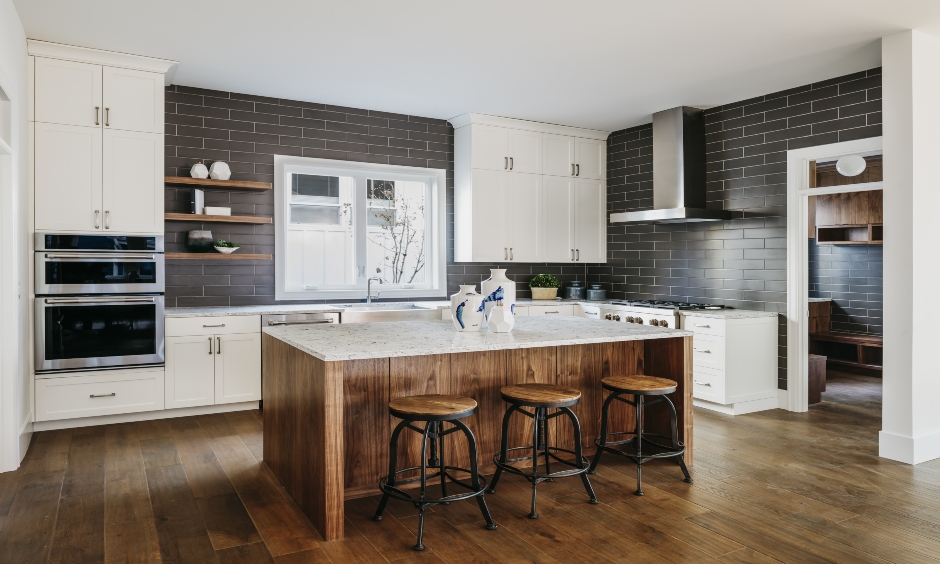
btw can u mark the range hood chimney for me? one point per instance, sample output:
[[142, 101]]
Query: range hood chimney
[[678, 171]]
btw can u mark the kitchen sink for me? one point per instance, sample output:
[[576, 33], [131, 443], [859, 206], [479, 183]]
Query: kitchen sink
[[362, 313]]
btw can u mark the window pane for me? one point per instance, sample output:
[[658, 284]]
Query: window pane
[[323, 188], [317, 215], [397, 222]]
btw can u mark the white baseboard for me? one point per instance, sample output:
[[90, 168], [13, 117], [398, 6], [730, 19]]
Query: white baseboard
[[783, 399], [26, 435], [739, 408], [143, 416], [909, 450]]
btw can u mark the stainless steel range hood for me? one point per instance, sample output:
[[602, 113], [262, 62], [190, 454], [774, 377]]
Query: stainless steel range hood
[[678, 171]]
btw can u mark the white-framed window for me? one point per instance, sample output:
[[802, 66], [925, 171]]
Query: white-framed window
[[339, 223]]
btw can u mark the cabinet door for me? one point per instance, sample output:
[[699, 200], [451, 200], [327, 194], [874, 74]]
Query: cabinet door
[[525, 225], [876, 206], [525, 151], [591, 158], [190, 371], [557, 155], [557, 232], [133, 100], [67, 178], [238, 368], [132, 194], [489, 147], [68, 93], [490, 209], [590, 221]]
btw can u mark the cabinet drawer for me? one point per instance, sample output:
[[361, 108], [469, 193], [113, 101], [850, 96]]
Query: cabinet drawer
[[708, 352], [704, 325], [100, 393], [708, 384], [221, 325], [566, 309]]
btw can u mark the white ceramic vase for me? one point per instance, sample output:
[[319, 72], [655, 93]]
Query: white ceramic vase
[[220, 171], [501, 319], [199, 170], [466, 308], [498, 288]]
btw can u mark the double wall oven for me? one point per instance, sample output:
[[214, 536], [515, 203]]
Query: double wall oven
[[99, 301]]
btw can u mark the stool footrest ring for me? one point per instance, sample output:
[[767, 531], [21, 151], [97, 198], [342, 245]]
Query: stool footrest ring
[[396, 493], [574, 471]]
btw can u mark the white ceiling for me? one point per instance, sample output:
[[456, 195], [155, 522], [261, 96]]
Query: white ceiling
[[588, 63]]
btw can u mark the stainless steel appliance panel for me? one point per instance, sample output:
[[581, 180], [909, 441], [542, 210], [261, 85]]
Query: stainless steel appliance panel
[[69, 272], [273, 320]]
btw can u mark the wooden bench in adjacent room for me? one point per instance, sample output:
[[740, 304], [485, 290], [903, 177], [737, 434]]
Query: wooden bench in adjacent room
[[852, 351]]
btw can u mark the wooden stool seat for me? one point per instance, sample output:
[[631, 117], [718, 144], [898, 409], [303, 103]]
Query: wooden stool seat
[[640, 384], [540, 395], [432, 407]]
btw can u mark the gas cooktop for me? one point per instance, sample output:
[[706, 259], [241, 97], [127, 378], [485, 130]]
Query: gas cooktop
[[659, 304]]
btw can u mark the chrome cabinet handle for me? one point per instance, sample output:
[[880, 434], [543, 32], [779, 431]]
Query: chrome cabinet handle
[[703, 351], [577, 169], [510, 163], [548, 312], [219, 325], [210, 345], [572, 254], [111, 395], [107, 219], [107, 117], [116, 300], [572, 169], [84, 257], [705, 326], [577, 254], [505, 163], [505, 253], [511, 257], [97, 111], [703, 383], [97, 223], [218, 345], [590, 313], [315, 322]]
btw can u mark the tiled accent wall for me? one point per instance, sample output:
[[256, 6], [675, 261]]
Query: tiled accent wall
[[852, 277], [247, 131], [740, 262]]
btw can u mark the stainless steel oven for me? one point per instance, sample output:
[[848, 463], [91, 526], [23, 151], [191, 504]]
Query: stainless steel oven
[[82, 332], [99, 301], [99, 264]]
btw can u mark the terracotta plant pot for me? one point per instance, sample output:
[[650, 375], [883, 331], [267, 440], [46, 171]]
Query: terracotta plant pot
[[544, 293]]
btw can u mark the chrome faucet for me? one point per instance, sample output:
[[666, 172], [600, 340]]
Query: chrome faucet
[[369, 289]]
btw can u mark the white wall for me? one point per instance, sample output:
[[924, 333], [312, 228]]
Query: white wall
[[15, 394], [910, 416]]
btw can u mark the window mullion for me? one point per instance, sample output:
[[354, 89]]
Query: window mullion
[[361, 228]]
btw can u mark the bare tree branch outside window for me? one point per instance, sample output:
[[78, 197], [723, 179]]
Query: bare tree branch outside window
[[401, 235]]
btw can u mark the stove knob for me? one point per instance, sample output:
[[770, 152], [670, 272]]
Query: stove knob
[[639, 320], [616, 318], [654, 322], [664, 323], [608, 317]]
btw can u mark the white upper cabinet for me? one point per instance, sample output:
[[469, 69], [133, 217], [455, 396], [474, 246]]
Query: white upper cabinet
[[97, 121], [132, 192], [528, 192], [591, 159], [133, 100], [558, 151], [68, 93]]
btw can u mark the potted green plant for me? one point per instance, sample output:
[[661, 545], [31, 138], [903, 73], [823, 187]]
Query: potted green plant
[[225, 247], [544, 287]]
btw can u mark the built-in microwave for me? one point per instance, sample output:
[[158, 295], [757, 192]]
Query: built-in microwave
[[99, 264]]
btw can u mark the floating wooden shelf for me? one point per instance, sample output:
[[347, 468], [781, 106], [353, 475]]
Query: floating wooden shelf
[[866, 234], [218, 218], [224, 184], [215, 256]]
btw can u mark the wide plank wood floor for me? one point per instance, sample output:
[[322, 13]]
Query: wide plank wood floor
[[771, 486]]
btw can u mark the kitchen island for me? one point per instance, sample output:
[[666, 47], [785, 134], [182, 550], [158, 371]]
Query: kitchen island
[[326, 390]]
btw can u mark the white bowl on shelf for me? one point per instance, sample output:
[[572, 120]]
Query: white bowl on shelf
[[226, 250]]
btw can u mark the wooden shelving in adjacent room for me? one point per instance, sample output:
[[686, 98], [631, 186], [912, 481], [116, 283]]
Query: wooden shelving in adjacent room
[[215, 256], [222, 184], [259, 219]]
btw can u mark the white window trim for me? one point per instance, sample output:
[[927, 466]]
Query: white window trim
[[437, 259]]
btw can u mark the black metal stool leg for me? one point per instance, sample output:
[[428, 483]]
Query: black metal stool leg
[[673, 422], [504, 445], [639, 445], [578, 453], [392, 467], [442, 466], [424, 481], [475, 474], [602, 439], [543, 436], [535, 459]]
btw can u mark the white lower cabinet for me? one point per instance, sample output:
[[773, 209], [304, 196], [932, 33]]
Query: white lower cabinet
[[209, 364], [90, 394], [734, 363]]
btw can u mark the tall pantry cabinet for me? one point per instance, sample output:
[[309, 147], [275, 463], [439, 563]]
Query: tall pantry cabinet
[[528, 192], [97, 136]]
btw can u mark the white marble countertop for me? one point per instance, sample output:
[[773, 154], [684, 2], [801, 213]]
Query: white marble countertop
[[729, 313], [417, 338]]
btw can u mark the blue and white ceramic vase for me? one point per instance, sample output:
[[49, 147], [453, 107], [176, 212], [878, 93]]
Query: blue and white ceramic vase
[[466, 307], [498, 288], [501, 319]]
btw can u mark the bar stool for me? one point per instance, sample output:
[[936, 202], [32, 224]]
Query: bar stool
[[640, 387], [541, 397], [434, 410]]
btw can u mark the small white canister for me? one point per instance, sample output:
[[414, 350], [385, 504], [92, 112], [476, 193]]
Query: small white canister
[[199, 170], [220, 171]]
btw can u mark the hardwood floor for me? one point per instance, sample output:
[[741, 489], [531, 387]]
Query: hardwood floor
[[771, 486]]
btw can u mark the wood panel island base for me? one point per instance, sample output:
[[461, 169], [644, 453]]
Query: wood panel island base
[[326, 391]]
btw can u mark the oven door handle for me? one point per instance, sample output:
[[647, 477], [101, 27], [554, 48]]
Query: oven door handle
[[98, 300], [98, 257]]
